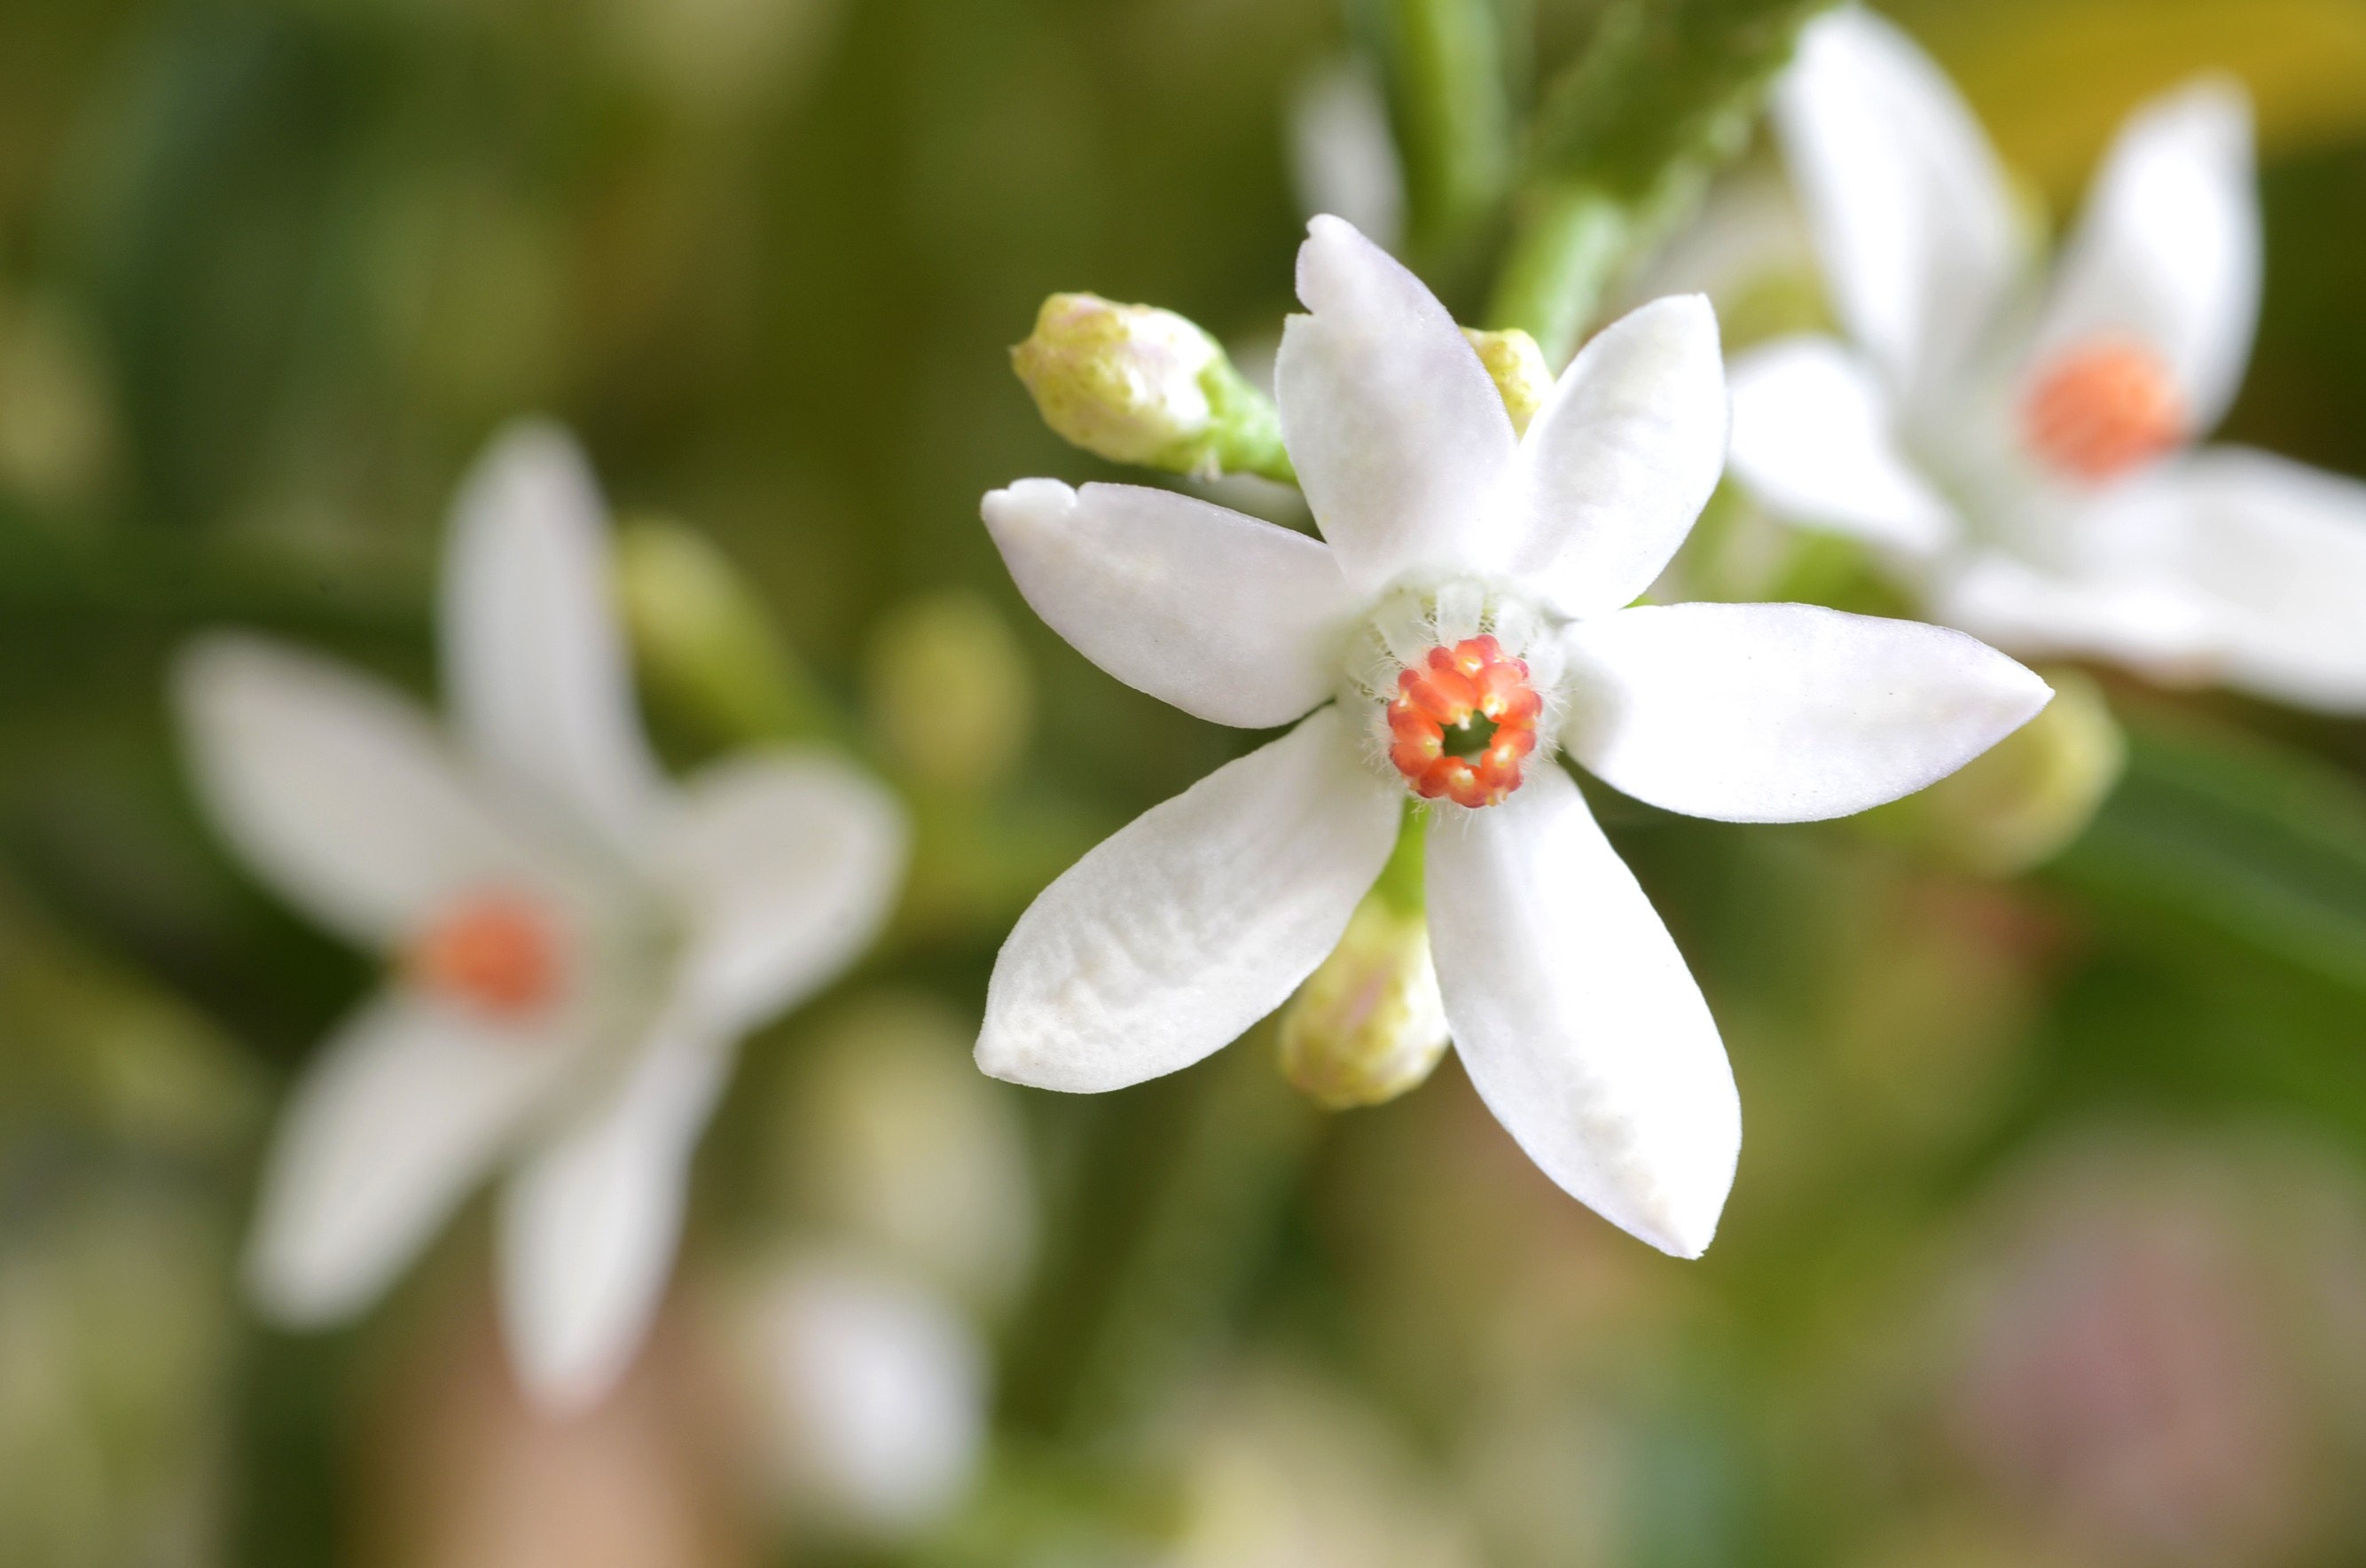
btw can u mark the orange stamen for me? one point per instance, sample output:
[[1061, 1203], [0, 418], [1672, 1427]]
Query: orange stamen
[[2101, 409], [495, 952], [1450, 688]]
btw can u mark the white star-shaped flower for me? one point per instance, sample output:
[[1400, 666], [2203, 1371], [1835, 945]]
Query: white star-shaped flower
[[575, 944], [2019, 446], [1463, 617]]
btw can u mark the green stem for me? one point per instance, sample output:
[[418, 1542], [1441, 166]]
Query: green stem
[[1625, 142], [1569, 240]]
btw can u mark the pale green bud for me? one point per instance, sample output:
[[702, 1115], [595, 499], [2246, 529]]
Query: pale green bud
[[2023, 802], [1370, 1023], [57, 420], [701, 640], [1517, 367], [949, 691], [1139, 385]]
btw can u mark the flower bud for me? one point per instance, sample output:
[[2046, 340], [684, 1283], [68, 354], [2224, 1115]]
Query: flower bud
[[702, 638], [948, 690], [1138, 385], [1370, 1023], [59, 433], [1517, 367], [2023, 801]]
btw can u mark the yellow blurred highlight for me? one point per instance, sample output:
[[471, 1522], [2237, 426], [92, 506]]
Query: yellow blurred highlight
[[2053, 80]]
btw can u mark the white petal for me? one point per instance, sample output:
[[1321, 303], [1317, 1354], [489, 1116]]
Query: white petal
[[2168, 253], [787, 864], [533, 662], [2147, 623], [1783, 713], [1814, 441], [1622, 456], [406, 1109], [1192, 922], [1398, 435], [2278, 552], [335, 789], [1904, 194], [1230, 619], [590, 1224], [1576, 1018]]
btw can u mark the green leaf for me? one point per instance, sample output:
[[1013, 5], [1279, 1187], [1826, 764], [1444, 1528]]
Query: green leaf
[[2219, 833]]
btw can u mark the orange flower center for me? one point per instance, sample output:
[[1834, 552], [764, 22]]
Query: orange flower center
[[495, 952], [2102, 409], [1463, 722]]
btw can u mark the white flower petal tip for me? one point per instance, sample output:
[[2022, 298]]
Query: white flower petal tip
[[586, 1254], [1813, 443], [788, 862], [1576, 1018], [1229, 618], [590, 1224], [1399, 436], [2166, 255], [1622, 456], [1905, 200], [533, 658], [1783, 713], [1192, 922], [404, 1112]]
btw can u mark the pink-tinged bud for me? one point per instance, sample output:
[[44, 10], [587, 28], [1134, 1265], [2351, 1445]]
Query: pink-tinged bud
[[1370, 1023], [1139, 385]]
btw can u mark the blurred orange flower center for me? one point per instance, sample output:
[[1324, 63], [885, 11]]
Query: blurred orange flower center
[[1463, 723], [495, 952], [2101, 409]]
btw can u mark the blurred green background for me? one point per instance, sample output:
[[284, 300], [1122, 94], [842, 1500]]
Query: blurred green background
[[2049, 1242]]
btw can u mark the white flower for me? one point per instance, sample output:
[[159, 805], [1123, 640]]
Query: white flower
[[2021, 448], [574, 944], [1464, 619]]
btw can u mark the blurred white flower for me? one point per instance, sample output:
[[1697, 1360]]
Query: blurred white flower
[[1467, 615], [869, 1389], [2021, 448], [575, 944]]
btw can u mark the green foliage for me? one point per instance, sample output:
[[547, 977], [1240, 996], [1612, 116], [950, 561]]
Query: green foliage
[[2220, 834], [1623, 143]]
